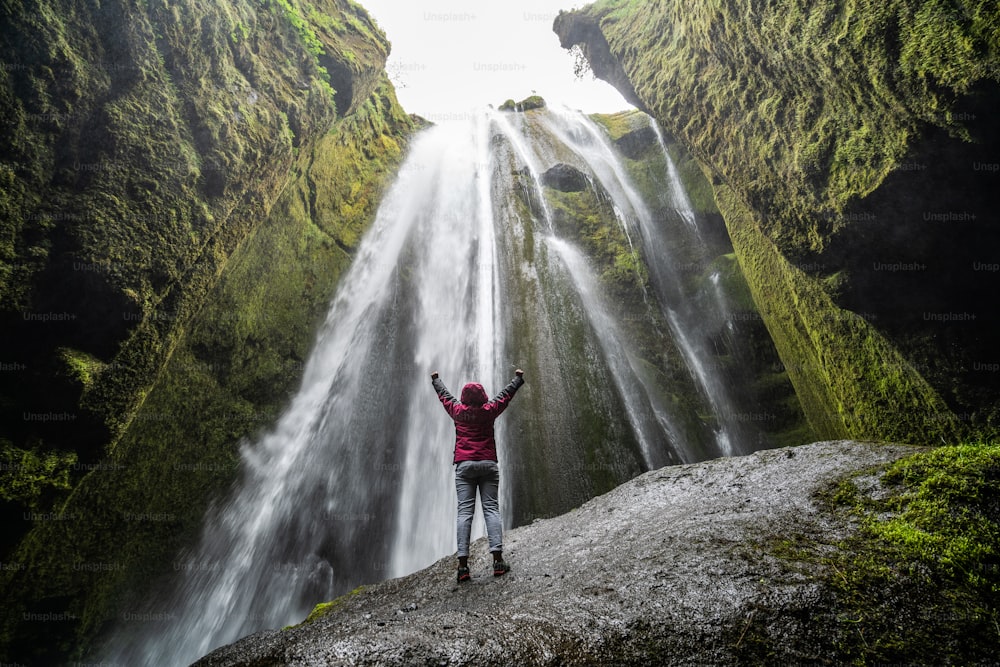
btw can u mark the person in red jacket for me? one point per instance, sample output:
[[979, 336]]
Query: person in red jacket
[[476, 464]]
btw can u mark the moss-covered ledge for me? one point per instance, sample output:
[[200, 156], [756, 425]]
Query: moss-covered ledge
[[324, 608], [849, 379], [920, 575]]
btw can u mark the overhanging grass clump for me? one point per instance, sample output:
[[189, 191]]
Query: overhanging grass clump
[[921, 579]]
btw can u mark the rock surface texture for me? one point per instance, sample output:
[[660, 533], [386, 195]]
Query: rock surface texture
[[674, 566]]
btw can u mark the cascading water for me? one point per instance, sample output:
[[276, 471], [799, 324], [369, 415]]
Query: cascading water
[[689, 317], [463, 272], [649, 421], [325, 491], [456, 333], [682, 204]]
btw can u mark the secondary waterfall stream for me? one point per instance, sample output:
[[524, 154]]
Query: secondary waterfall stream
[[464, 271]]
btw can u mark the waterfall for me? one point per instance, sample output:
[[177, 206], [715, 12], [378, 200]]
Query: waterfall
[[689, 316], [456, 333], [649, 420], [462, 272], [682, 204]]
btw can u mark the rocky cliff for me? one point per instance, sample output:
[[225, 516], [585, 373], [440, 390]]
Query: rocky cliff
[[747, 560], [181, 186], [853, 154]]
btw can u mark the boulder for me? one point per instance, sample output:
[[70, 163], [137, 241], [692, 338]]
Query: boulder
[[672, 566], [565, 178]]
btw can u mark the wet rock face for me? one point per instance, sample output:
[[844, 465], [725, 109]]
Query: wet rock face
[[633, 144], [565, 178], [673, 563]]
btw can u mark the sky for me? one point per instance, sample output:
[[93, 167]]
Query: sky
[[451, 56]]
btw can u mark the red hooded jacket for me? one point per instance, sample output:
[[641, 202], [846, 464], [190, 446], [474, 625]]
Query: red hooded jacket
[[474, 417]]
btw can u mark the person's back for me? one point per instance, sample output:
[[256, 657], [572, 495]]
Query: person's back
[[476, 464], [474, 416]]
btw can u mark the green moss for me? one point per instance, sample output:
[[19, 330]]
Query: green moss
[[34, 480], [584, 216], [240, 359], [696, 184], [304, 29], [621, 123], [324, 608], [527, 104], [80, 366], [227, 289], [850, 380], [799, 112], [945, 515], [145, 157], [532, 102], [921, 580]]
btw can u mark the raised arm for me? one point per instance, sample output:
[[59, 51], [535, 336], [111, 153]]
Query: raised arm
[[500, 401], [447, 400]]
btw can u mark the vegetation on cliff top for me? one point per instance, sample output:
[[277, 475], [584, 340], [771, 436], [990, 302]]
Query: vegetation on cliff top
[[527, 104]]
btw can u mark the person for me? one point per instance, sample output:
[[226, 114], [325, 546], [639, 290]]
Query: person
[[476, 464]]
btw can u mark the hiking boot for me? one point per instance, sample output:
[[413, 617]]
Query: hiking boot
[[463, 574], [500, 568]]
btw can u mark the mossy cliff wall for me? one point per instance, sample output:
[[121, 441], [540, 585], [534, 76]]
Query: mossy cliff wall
[[183, 186], [743, 349], [853, 157]]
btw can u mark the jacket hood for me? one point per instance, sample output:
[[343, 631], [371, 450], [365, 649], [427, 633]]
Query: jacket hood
[[473, 394]]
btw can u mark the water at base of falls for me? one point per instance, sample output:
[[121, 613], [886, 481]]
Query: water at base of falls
[[354, 483]]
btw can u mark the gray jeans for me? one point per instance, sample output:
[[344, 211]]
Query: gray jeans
[[485, 476]]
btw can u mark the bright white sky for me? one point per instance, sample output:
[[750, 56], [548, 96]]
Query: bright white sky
[[450, 56]]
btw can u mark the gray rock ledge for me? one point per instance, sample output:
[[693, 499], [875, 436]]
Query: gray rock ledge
[[668, 568]]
